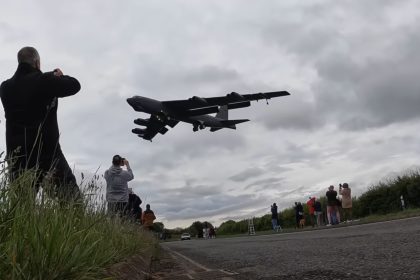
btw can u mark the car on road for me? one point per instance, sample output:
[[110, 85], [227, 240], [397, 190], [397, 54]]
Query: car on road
[[185, 236]]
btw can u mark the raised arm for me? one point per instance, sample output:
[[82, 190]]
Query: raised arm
[[58, 85]]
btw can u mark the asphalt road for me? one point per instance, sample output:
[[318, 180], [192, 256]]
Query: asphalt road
[[387, 250]]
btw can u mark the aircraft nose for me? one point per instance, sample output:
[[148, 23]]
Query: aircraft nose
[[135, 103], [130, 101]]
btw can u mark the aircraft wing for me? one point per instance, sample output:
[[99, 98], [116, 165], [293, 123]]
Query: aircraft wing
[[153, 126], [231, 98]]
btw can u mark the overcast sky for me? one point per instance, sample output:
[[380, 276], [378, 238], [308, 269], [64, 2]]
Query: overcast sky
[[352, 68]]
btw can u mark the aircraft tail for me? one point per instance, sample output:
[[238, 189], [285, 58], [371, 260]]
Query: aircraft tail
[[223, 113], [229, 124]]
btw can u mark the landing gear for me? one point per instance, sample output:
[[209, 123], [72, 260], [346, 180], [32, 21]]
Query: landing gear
[[198, 126]]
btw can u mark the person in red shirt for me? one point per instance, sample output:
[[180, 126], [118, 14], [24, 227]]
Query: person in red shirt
[[148, 217], [311, 208]]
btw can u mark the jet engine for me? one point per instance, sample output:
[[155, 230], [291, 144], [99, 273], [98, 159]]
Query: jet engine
[[143, 122], [199, 100], [235, 96], [139, 131]]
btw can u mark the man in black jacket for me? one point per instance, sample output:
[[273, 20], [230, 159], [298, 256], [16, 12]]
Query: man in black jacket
[[30, 100]]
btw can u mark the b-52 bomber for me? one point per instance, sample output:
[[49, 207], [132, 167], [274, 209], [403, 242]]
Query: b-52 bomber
[[194, 110]]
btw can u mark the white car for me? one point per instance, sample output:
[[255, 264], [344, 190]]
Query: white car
[[185, 236]]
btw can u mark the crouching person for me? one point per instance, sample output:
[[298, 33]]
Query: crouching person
[[147, 218]]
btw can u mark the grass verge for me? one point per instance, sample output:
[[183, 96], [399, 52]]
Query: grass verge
[[41, 238]]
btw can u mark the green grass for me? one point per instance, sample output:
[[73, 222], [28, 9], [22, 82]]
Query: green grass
[[43, 239], [408, 213]]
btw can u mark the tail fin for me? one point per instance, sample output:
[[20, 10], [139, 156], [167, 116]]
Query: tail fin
[[233, 122], [228, 124], [213, 129], [223, 113]]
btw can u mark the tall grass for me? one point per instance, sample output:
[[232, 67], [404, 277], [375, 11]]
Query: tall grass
[[41, 238]]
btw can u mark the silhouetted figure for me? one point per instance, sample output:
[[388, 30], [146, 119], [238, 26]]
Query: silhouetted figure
[[212, 232], [299, 214], [148, 217], [318, 212], [30, 101], [332, 206], [117, 185], [134, 209], [275, 217]]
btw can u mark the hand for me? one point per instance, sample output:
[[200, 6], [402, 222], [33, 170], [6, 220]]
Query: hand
[[57, 72]]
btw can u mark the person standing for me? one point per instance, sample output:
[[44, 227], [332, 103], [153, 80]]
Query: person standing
[[318, 212], [275, 217], [30, 101], [133, 208], [346, 202], [117, 185], [311, 203], [333, 214], [148, 217], [300, 215]]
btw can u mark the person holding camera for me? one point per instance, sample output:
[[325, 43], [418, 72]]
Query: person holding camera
[[30, 101], [117, 185], [346, 201]]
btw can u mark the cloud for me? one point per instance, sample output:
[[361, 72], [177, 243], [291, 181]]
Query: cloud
[[246, 174]]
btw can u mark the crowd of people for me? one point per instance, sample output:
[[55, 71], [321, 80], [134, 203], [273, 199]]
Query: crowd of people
[[338, 209], [30, 101]]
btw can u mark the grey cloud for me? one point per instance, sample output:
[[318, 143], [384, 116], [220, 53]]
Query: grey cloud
[[216, 205], [292, 113], [247, 174], [265, 183]]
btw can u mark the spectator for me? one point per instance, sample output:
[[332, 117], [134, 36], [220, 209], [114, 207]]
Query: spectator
[[274, 217], [296, 215], [134, 209], [212, 233], [318, 212], [332, 206], [206, 234], [117, 185], [30, 100], [300, 215], [346, 202], [147, 218], [311, 204]]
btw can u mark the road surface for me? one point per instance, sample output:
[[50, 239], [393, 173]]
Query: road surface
[[386, 250]]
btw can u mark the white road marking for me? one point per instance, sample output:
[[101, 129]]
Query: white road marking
[[189, 260]]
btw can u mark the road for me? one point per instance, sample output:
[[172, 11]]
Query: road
[[386, 250]]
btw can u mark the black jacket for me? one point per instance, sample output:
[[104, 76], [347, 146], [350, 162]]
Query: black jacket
[[274, 214], [30, 103]]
